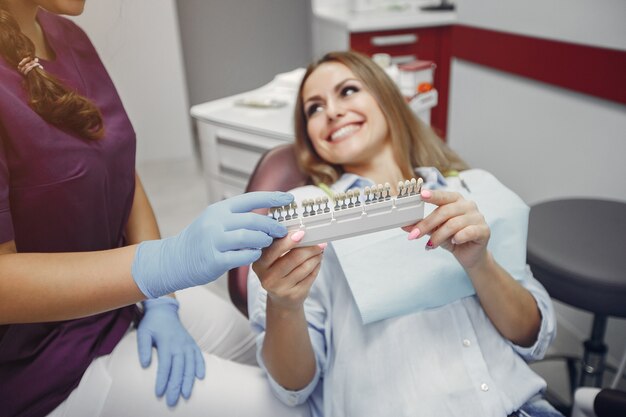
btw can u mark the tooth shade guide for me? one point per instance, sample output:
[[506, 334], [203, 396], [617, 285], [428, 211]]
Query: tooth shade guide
[[294, 208], [353, 213]]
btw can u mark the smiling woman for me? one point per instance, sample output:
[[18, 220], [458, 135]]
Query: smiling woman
[[369, 98], [339, 107], [379, 324]]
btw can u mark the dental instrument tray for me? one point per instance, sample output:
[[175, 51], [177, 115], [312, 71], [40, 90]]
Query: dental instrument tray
[[353, 213]]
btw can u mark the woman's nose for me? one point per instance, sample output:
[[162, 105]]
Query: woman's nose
[[334, 110]]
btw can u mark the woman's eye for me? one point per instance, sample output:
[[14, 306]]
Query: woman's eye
[[349, 90], [313, 109]]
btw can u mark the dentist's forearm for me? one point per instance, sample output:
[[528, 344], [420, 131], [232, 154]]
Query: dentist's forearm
[[142, 224], [38, 287]]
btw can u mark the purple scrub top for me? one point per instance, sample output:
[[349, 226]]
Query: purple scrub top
[[61, 193]]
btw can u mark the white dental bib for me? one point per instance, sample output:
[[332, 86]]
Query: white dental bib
[[391, 276]]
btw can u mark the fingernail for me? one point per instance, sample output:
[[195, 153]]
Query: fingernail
[[429, 245], [426, 194], [453, 241], [297, 237], [414, 234], [322, 246]]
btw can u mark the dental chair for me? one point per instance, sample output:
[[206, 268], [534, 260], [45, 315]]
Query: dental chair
[[577, 250], [277, 170]]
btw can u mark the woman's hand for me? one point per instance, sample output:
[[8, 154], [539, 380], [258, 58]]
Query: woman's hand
[[287, 272], [180, 358], [456, 225]]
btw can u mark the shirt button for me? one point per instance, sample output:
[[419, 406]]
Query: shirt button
[[484, 387], [466, 342]]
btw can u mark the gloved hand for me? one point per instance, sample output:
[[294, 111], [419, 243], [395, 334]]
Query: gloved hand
[[226, 235], [180, 359]]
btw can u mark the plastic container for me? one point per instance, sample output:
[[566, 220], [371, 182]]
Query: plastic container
[[416, 77]]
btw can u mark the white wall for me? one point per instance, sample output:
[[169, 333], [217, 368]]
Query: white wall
[[139, 43], [542, 141], [233, 46], [588, 22]]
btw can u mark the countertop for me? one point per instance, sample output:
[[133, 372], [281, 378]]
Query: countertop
[[274, 122], [366, 21]]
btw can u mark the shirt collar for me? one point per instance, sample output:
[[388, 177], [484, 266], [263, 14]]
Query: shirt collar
[[348, 181]]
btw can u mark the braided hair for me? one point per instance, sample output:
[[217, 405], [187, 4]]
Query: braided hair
[[55, 102]]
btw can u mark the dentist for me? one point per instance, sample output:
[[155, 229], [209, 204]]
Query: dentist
[[79, 246]]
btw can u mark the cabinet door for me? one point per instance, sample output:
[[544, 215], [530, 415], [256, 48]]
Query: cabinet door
[[229, 156], [432, 44]]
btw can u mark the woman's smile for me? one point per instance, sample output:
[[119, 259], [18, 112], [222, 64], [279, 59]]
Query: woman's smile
[[344, 132]]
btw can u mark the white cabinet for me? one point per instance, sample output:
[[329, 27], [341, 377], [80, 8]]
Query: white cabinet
[[233, 137], [229, 155]]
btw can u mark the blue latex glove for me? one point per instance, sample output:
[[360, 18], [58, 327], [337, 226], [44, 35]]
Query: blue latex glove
[[180, 359], [225, 236]]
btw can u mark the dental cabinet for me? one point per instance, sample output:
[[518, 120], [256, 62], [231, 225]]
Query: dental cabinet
[[234, 132], [398, 28]]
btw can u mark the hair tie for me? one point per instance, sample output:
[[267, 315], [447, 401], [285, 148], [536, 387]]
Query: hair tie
[[26, 65]]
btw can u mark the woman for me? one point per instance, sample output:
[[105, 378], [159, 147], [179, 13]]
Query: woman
[[463, 355], [72, 213]]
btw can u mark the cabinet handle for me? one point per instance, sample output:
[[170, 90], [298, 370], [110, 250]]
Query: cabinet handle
[[389, 40], [402, 59], [245, 146]]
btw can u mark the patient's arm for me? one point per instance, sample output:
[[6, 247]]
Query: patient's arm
[[458, 226], [287, 275], [509, 306]]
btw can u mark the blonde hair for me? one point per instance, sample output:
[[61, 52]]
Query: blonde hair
[[56, 103], [414, 143]]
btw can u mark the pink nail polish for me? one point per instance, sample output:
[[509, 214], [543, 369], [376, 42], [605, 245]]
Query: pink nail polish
[[297, 237], [322, 246], [429, 245], [414, 234], [426, 193]]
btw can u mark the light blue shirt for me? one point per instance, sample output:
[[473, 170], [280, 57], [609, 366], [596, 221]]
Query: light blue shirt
[[444, 361]]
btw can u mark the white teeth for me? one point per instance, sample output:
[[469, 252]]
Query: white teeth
[[344, 131]]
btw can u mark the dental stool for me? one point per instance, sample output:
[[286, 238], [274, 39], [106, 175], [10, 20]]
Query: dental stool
[[277, 170], [577, 250]]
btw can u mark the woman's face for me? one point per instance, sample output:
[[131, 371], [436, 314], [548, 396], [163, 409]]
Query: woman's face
[[65, 7], [344, 121]]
